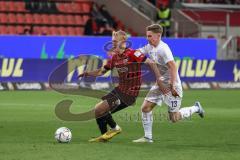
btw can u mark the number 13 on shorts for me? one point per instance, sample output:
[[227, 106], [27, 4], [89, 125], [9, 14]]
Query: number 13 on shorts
[[173, 103]]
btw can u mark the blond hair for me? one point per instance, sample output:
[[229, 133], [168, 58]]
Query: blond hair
[[155, 28], [120, 35]]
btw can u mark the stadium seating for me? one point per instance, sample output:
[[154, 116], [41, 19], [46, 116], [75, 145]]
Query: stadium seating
[[69, 20], [214, 17]]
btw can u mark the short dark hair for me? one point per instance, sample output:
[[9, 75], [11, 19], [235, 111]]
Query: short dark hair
[[155, 28]]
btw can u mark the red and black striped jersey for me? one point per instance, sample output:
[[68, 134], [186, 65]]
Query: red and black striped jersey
[[128, 66]]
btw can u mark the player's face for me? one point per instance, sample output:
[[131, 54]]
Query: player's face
[[114, 42], [118, 43], [153, 38]]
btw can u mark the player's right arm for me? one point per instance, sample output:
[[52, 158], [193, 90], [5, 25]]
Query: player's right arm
[[94, 73], [99, 72]]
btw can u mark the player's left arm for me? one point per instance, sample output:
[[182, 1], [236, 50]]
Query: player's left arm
[[173, 75], [169, 61]]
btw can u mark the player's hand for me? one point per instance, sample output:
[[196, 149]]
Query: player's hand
[[173, 91], [162, 87]]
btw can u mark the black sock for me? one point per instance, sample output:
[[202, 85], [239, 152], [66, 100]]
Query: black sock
[[102, 124], [110, 121]]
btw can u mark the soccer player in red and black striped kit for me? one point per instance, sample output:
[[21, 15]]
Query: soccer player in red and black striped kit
[[128, 64]]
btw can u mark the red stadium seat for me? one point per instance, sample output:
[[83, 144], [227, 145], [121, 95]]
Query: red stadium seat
[[2, 6], [54, 19], [54, 30], [37, 30], [20, 6], [20, 29], [86, 7], [3, 18], [77, 8], [79, 30], [70, 20], [45, 19], [11, 6], [67, 7], [29, 18], [12, 18], [71, 31], [3, 29], [62, 19], [37, 18], [79, 20], [74, 7], [63, 31], [61, 7], [20, 18], [12, 30], [45, 30]]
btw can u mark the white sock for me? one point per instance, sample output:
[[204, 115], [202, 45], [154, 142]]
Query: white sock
[[188, 111], [147, 120], [117, 127]]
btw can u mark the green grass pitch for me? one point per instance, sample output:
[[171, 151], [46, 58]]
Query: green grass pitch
[[28, 123]]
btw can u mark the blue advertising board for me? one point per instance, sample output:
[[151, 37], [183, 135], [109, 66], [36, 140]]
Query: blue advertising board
[[36, 70], [60, 47]]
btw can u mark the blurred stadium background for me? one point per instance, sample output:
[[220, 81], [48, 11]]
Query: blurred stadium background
[[36, 36]]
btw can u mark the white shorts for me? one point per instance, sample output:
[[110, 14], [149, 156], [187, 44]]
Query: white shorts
[[157, 97]]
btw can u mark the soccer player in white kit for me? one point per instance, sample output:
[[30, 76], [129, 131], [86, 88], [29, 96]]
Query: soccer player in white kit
[[168, 88]]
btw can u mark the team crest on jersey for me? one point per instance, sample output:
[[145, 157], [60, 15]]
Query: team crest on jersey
[[137, 53]]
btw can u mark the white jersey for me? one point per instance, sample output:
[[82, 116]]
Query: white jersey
[[162, 55]]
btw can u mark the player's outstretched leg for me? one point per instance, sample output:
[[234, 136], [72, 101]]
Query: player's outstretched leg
[[188, 111], [200, 109]]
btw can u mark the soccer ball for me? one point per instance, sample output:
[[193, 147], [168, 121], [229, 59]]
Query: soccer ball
[[63, 135]]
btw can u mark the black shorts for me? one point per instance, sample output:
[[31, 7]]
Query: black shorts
[[118, 100]]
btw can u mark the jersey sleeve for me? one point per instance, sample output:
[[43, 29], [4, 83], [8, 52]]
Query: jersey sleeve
[[144, 49], [167, 55], [137, 56], [110, 64]]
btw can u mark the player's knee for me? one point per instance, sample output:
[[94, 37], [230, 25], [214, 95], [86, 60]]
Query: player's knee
[[173, 117], [146, 109], [101, 109]]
